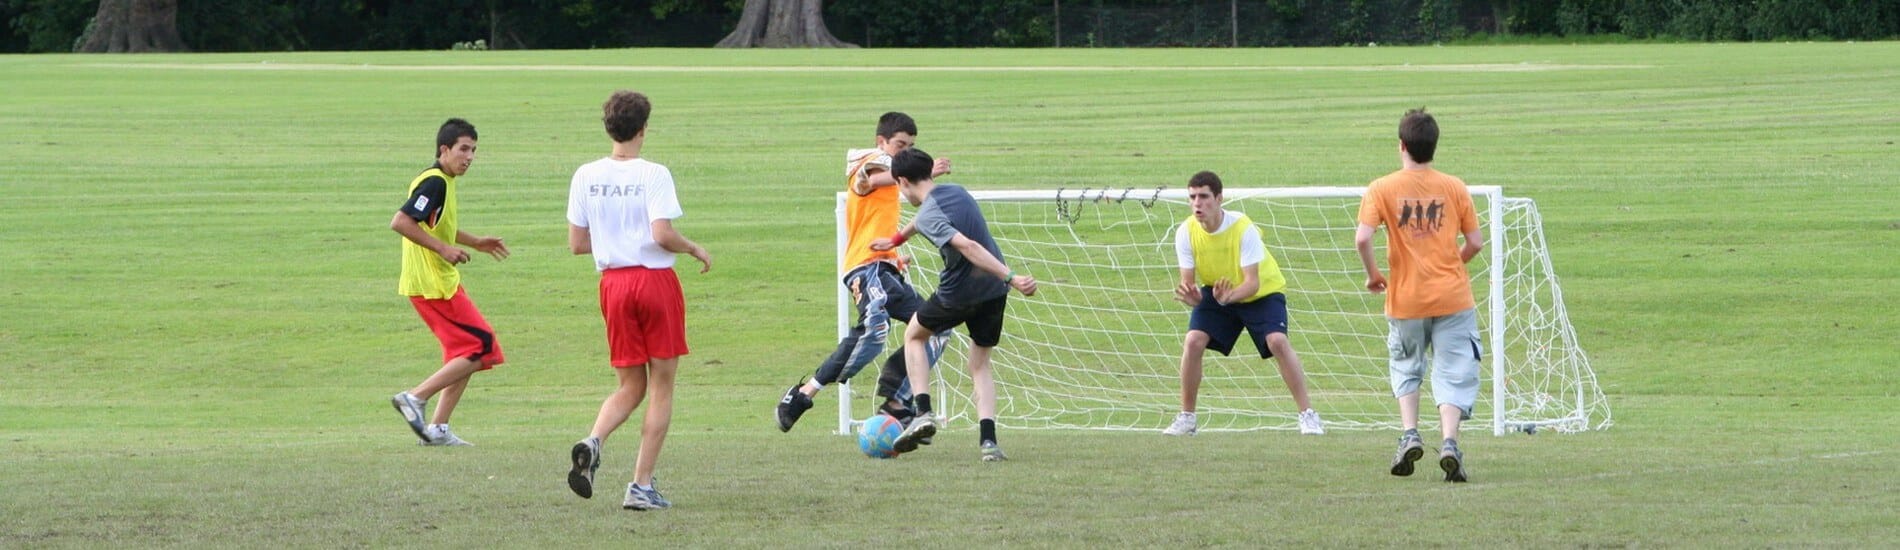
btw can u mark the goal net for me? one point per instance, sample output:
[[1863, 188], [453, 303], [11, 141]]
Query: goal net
[[1099, 345]]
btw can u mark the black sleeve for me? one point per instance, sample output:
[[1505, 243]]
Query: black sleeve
[[425, 204]]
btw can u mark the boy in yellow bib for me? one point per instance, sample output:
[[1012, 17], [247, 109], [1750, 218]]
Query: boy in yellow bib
[[1215, 248]]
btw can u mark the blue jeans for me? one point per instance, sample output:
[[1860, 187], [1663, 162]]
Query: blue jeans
[[883, 300]]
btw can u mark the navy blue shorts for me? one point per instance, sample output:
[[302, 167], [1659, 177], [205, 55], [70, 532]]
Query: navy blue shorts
[[1223, 323]]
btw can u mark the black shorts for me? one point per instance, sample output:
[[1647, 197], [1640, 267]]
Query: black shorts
[[1223, 323], [984, 320]]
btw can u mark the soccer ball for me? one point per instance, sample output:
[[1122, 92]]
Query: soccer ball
[[878, 434]]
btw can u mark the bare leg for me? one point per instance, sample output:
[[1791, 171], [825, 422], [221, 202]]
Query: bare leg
[[450, 396], [984, 381], [456, 370], [659, 417], [1191, 353], [1290, 370], [916, 358], [619, 405], [1449, 416], [1408, 411]]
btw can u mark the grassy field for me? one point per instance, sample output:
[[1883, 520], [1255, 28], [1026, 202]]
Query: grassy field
[[199, 331]]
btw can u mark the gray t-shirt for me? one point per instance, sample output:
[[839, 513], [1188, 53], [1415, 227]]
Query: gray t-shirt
[[947, 211]]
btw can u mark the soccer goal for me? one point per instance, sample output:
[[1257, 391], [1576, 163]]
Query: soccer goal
[[1099, 345]]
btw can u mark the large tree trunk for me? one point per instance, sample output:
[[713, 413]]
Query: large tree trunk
[[782, 24], [134, 26]]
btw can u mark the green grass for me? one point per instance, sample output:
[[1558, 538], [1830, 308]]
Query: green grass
[[199, 331]]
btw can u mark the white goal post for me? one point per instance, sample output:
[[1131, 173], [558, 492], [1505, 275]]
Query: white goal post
[[1099, 345]]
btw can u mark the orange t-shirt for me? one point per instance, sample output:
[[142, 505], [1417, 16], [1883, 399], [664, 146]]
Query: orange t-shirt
[[870, 216], [1423, 211]]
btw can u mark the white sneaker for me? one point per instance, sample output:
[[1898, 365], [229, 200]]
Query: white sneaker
[[1310, 423], [1184, 424], [440, 436], [644, 498], [411, 410]]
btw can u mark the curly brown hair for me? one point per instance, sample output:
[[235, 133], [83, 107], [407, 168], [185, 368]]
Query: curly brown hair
[[625, 114]]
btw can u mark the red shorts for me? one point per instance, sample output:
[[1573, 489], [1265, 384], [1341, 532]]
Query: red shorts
[[460, 327], [646, 315]]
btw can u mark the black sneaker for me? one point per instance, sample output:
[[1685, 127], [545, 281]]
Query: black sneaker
[[586, 457], [1452, 461], [1410, 450], [792, 406]]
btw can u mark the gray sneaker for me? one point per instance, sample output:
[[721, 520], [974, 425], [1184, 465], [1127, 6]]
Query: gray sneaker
[[1410, 450], [411, 410], [993, 453], [1452, 461], [586, 458], [920, 428], [440, 436], [906, 422], [644, 498]]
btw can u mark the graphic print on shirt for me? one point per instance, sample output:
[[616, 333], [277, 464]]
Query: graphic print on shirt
[[1422, 216]]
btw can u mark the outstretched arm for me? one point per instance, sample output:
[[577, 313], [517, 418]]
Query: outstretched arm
[[492, 245], [982, 259], [881, 244], [1362, 240]]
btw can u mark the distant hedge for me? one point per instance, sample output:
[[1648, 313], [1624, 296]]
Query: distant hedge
[[283, 25]]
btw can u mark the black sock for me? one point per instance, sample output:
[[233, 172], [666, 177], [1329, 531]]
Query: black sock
[[923, 403], [987, 433]]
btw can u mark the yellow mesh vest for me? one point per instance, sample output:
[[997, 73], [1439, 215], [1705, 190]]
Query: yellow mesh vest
[[425, 273], [1217, 256]]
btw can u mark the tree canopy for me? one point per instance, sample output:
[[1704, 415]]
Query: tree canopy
[[289, 25]]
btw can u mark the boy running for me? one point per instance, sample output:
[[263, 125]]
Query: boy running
[[1424, 211], [949, 216], [621, 210], [427, 222]]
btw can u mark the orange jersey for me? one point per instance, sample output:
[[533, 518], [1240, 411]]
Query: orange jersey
[[870, 216], [1423, 211]]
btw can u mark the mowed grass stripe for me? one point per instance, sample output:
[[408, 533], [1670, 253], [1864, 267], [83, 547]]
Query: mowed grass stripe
[[199, 332]]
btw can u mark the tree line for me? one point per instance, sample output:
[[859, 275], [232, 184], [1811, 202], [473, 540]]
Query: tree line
[[299, 25]]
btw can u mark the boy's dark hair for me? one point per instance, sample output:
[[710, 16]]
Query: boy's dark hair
[[625, 114], [893, 122], [451, 131], [1205, 179], [912, 164], [1419, 132]]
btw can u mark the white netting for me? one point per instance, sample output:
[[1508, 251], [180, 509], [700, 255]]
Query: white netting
[[1548, 382], [1099, 346]]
